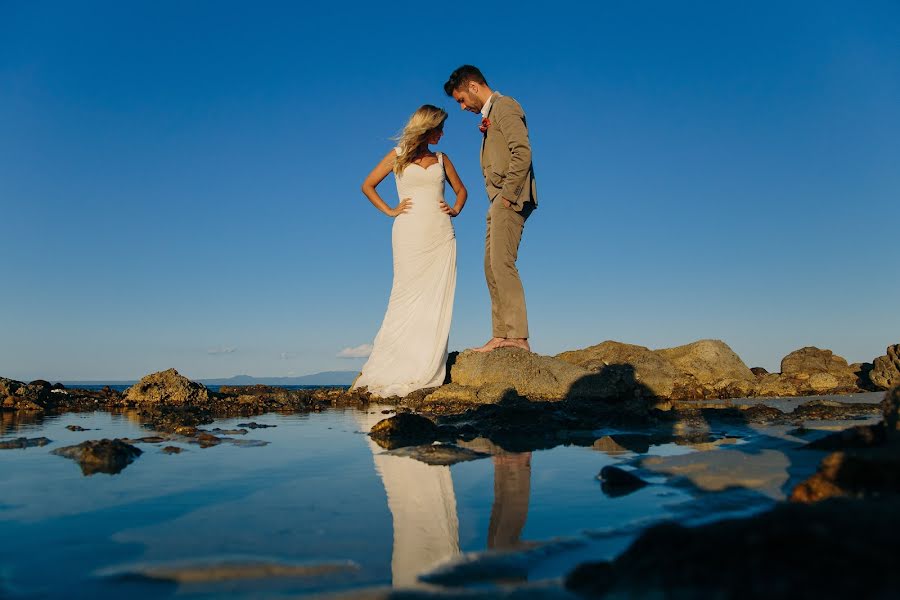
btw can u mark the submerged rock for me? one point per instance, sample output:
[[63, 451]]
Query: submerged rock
[[101, 456], [404, 429], [23, 443], [616, 481], [215, 571], [439, 454], [168, 388]]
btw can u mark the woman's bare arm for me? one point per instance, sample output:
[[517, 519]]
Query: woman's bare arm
[[458, 188], [381, 170]]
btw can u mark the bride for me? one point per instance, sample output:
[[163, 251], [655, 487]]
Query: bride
[[410, 350]]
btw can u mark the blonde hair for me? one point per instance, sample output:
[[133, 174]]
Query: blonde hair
[[414, 136]]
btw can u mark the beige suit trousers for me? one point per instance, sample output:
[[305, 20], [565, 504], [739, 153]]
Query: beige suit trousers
[[501, 249]]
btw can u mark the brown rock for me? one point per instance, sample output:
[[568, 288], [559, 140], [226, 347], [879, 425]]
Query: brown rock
[[168, 388], [709, 361], [758, 371], [404, 429], [100, 456], [885, 371], [531, 375], [628, 369], [802, 364]]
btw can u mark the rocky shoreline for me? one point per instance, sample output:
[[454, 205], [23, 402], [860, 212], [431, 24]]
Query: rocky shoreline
[[841, 520]]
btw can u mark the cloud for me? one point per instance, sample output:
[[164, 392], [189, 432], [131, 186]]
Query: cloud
[[361, 351], [222, 350]]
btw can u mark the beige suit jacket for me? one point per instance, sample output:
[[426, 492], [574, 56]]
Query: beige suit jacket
[[506, 154]]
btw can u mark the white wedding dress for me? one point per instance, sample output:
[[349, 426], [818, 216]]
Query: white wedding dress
[[410, 350]]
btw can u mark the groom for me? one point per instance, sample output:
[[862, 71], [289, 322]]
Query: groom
[[509, 180]]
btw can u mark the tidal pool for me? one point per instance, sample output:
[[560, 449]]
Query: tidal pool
[[321, 508]]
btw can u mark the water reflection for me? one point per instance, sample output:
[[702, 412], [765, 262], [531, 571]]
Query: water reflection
[[423, 507]]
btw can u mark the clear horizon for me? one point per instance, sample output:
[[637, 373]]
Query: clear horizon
[[179, 182]]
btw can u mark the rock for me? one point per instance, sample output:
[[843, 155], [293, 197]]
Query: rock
[[173, 450], [890, 409], [404, 429], [101, 456], [885, 371], [802, 364], [255, 425], [627, 369], [774, 385], [776, 561], [532, 375], [823, 382], [17, 395], [439, 454], [23, 443], [708, 361], [862, 372], [219, 431], [168, 388], [758, 371], [619, 482], [76, 428]]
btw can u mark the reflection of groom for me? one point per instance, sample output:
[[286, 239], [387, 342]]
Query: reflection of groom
[[509, 180]]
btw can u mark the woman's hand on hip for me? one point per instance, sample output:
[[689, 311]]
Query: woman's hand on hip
[[403, 207], [447, 210]]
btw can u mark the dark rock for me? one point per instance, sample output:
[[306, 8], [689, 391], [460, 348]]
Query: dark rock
[[863, 376], [404, 429], [173, 450], [861, 436], [23, 443], [168, 388], [758, 371], [219, 431], [206, 440], [885, 371], [832, 410], [438, 454], [617, 482], [768, 556], [254, 425], [17, 395], [76, 428], [101, 456]]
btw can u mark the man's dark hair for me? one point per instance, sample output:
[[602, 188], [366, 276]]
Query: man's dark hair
[[461, 77]]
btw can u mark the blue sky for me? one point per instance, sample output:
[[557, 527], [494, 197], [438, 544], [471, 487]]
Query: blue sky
[[179, 181]]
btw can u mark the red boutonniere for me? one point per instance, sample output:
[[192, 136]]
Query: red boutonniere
[[485, 123]]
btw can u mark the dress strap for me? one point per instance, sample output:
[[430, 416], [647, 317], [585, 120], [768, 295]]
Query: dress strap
[[440, 156]]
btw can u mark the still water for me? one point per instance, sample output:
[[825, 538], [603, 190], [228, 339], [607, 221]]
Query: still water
[[321, 508]]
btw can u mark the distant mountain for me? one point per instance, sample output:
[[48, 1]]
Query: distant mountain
[[324, 378]]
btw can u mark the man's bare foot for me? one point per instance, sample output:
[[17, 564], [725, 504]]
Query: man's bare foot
[[515, 343], [493, 344]]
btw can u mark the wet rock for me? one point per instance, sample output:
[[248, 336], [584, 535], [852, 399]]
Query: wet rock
[[833, 410], [173, 450], [101, 456], [23, 443], [885, 371], [254, 425], [219, 431], [775, 558], [868, 465], [616, 481], [76, 428], [758, 371], [150, 439], [168, 388], [246, 443], [404, 429], [438, 454], [206, 440], [17, 395], [182, 420]]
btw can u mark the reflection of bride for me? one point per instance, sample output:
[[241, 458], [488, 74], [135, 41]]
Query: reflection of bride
[[423, 506]]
